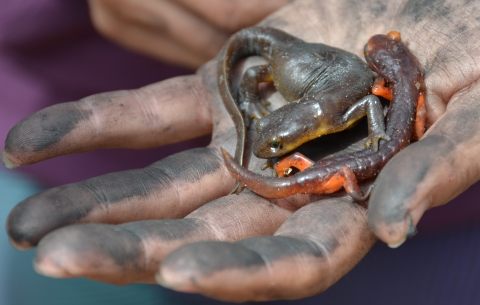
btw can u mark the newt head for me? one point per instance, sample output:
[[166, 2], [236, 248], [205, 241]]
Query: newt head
[[383, 51], [394, 35], [288, 127]]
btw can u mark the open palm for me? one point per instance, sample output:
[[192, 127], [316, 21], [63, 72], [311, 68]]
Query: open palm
[[173, 222]]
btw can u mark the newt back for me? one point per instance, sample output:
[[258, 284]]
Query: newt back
[[298, 69], [394, 62]]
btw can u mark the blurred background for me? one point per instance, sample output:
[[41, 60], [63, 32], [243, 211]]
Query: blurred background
[[50, 53]]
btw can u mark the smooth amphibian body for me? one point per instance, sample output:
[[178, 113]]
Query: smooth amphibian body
[[327, 89], [392, 61]]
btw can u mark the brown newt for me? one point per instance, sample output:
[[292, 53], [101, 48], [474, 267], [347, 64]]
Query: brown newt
[[327, 89], [392, 61]]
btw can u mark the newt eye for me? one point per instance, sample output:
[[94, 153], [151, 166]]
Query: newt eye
[[276, 145]]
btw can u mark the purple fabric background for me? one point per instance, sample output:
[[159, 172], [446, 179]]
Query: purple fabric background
[[50, 53]]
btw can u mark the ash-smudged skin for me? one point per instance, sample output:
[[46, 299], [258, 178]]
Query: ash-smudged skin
[[322, 81], [25, 224], [392, 60], [55, 121]]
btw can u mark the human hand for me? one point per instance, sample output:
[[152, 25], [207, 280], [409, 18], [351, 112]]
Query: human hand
[[311, 248], [185, 32]]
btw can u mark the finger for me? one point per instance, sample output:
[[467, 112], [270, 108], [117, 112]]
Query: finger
[[166, 18], [142, 39], [311, 251], [133, 252], [167, 112], [186, 28], [233, 15], [170, 188], [428, 173]]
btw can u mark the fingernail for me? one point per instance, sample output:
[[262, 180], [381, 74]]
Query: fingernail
[[412, 230], [181, 287], [8, 164], [160, 281], [55, 273], [396, 245]]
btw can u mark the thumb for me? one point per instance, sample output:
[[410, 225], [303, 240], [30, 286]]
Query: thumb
[[429, 173]]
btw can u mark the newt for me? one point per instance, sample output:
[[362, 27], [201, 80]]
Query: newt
[[327, 88], [398, 67]]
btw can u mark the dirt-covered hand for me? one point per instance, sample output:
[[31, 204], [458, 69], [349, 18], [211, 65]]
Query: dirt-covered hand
[[172, 221]]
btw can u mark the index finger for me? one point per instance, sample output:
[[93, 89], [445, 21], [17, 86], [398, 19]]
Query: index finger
[[233, 15], [166, 112]]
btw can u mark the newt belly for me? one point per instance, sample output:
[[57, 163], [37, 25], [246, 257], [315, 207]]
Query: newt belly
[[391, 60]]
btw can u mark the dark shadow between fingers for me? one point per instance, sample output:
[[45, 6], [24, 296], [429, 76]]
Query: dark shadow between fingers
[[117, 254], [133, 252], [170, 188]]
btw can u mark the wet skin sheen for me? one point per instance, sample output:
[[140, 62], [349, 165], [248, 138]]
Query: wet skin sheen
[[392, 61], [326, 88]]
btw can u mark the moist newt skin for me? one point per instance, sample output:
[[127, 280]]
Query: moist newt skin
[[326, 88], [391, 60]]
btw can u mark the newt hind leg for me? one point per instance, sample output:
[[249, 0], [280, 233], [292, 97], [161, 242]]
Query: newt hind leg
[[351, 185], [345, 178], [248, 95]]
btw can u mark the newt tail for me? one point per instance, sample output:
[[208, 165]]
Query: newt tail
[[392, 60]]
